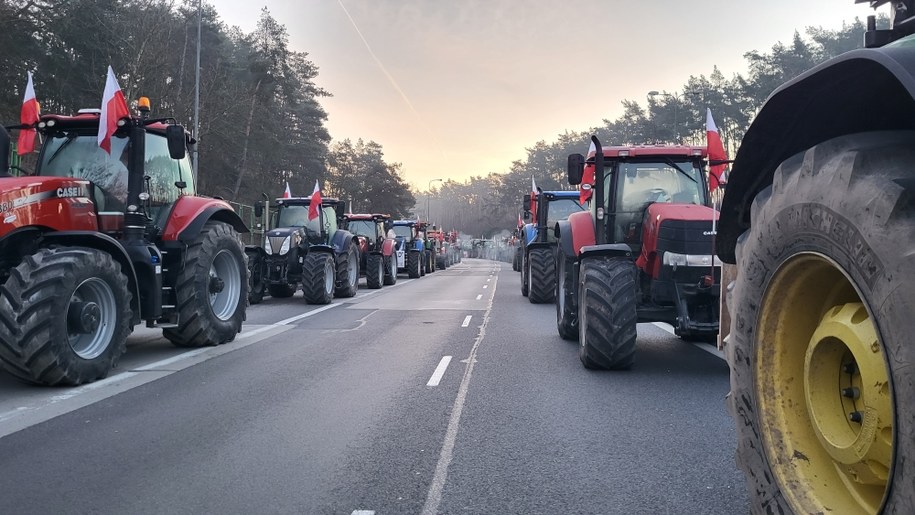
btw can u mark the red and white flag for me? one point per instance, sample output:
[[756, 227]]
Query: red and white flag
[[533, 200], [715, 151], [314, 206], [520, 221], [288, 192], [29, 116], [114, 107]]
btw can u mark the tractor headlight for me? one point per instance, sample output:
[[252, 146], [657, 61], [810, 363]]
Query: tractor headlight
[[674, 259], [284, 248]]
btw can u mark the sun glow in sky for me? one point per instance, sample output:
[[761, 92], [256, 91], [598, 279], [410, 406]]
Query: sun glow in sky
[[460, 88]]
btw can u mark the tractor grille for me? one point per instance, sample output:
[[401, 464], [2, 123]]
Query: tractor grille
[[685, 236], [276, 242]]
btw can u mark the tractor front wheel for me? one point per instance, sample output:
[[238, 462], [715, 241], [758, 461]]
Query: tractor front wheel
[[566, 314], [607, 313], [374, 271], [542, 275], [821, 349], [257, 282], [390, 270], [212, 289], [318, 277], [347, 272], [64, 316], [414, 266], [525, 276]]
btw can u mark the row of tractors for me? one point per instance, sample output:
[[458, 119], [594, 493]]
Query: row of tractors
[[634, 244], [325, 255]]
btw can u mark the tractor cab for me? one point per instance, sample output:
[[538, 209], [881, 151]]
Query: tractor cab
[[291, 216], [410, 246]]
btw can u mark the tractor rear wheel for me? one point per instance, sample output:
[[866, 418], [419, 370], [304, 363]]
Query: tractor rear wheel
[[542, 275], [516, 260], [821, 350], [212, 289], [525, 273], [390, 270], [374, 271], [607, 313], [414, 267], [566, 314], [281, 291], [257, 282], [64, 316], [347, 272], [318, 277]]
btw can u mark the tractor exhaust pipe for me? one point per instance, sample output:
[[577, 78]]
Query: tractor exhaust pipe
[[598, 197], [4, 152]]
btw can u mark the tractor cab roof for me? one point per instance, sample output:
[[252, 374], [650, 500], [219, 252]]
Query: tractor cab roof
[[366, 216], [648, 151], [85, 119], [411, 223], [305, 201]]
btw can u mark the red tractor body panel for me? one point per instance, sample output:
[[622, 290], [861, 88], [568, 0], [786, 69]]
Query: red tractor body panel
[[582, 230], [57, 203], [187, 209], [656, 215]]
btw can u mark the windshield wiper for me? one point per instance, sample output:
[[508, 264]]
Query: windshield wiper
[[688, 176], [70, 138]]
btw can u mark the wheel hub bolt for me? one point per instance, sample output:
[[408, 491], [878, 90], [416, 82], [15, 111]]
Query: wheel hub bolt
[[851, 393], [216, 285], [849, 368], [855, 416]]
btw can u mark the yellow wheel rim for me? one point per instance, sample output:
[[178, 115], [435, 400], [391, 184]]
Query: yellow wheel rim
[[824, 396]]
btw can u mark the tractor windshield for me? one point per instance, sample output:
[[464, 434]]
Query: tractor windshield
[[643, 183], [77, 154], [292, 216], [560, 209], [362, 228], [404, 231]]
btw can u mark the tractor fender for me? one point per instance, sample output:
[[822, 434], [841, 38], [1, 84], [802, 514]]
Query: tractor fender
[[539, 245], [530, 233], [575, 232], [109, 245], [387, 247], [341, 241], [322, 248], [255, 249], [609, 249], [859, 91], [189, 215], [420, 246]]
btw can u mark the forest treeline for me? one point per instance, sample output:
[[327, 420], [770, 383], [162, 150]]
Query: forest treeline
[[489, 203], [261, 121]]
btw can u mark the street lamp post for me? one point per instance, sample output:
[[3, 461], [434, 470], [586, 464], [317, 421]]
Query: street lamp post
[[429, 194]]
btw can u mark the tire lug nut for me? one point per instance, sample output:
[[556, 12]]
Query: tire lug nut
[[855, 416], [851, 393], [849, 368]]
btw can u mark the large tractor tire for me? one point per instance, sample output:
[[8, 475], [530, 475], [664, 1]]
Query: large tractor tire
[[390, 270], [525, 279], [212, 289], [318, 277], [414, 265], [566, 312], [542, 276], [821, 349], [607, 313], [430, 262], [281, 291], [440, 262], [516, 260], [64, 316], [347, 273], [374, 271], [257, 283]]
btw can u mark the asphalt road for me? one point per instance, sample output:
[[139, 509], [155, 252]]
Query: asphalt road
[[445, 394]]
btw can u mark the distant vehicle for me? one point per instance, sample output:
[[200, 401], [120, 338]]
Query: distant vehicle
[[410, 239], [378, 262]]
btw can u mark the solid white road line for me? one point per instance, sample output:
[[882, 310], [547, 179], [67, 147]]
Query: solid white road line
[[363, 512], [437, 487], [439, 371], [306, 315], [704, 346], [466, 321], [480, 296]]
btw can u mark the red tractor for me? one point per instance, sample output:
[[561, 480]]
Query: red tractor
[[642, 253], [91, 244], [377, 250]]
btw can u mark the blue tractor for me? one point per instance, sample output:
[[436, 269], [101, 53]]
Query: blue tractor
[[410, 236], [538, 244]]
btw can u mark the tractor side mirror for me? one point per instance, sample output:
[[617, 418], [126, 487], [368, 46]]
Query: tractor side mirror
[[177, 143], [4, 152], [527, 215], [526, 204], [576, 168], [259, 208]]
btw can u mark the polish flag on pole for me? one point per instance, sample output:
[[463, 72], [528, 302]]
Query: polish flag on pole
[[288, 192], [715, 151], [533, 200], [114, 107], [28, 116], [314, 206]]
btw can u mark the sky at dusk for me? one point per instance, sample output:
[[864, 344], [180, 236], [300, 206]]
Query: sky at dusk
[[459, 88]]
